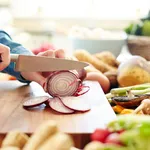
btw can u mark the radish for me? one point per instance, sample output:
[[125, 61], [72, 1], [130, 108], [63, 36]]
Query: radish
[[35, 101], [113, 139], [57, 105], [100, 135], [76, 103]]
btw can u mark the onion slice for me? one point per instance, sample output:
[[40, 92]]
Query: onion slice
[[76, 103], [60, 83], [35, 101], [57, 105]]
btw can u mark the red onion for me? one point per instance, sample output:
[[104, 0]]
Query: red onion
[[57, 105], [35, 101], [76, 103], [82, 74], [65, 83], [62, 83]]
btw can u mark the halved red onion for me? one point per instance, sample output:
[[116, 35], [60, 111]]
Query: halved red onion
[[35, 101], [76, 103], [62, 83], [57, 105]]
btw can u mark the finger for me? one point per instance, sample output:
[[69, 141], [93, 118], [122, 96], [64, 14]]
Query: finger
[[5, 56], [60, 53], [49, 53], [34, 76]]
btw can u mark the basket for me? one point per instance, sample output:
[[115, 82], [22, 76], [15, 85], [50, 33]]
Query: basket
[[139, 45]]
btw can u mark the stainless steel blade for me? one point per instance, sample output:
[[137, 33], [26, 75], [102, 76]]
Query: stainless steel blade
[[43, 64]]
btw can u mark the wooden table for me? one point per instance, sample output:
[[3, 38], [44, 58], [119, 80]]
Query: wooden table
[[79, 125]]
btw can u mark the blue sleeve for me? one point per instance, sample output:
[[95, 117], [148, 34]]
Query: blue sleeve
[[15, 48]]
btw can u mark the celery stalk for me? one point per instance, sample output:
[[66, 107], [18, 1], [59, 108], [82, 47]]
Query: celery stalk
[[109, 95], [123, 90], [139, 92]]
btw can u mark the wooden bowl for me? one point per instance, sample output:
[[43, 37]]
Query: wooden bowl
[[139, 45]]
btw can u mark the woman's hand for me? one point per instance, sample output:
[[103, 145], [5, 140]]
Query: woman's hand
[[40, 77], [5, 56]]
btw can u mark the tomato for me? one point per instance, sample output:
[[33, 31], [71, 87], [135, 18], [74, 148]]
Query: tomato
[[113, 139], [100, 135]]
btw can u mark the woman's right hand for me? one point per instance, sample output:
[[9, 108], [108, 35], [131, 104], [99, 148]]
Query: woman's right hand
[[4, 57]]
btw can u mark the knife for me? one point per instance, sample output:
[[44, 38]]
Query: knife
[[32, 63]]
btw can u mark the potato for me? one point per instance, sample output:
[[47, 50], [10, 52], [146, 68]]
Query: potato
[[83, 55], [91, 68], [134, 71], [108, 58]]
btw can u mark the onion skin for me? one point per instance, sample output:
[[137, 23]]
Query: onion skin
[[134, 71], [101, 78], [82, 74]]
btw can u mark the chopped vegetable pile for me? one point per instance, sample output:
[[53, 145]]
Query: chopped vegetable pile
[[127, 132], [132, 99]]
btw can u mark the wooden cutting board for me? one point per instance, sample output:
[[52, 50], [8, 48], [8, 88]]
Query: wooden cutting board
[[14, 116]]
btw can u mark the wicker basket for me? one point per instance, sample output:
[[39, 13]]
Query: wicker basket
[[139, 45]]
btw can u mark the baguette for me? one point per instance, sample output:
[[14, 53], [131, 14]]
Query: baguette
[[16, 139]]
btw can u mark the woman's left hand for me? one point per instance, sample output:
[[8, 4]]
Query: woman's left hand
[[40, 77]]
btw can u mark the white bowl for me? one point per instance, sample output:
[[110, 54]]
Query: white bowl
[[97, 45]]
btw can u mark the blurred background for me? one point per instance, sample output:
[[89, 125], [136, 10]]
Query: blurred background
[[64, 23]]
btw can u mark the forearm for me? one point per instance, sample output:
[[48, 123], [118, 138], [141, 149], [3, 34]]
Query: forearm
[[15, 48]]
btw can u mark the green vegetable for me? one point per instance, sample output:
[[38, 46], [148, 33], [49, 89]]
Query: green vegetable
[[129, 122], [129, 28], [139, 92], [136, 29], [136, 135], [134, 140], [118, 91], [137, 131], [109, 95], [146, 28], [113, 147]]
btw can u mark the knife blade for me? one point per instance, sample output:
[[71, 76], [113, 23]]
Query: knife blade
[[30, 63]]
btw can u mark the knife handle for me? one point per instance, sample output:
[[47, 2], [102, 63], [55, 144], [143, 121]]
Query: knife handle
[[14, 57]]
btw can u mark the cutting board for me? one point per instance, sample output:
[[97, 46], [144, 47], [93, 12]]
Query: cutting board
[[14, 116]]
